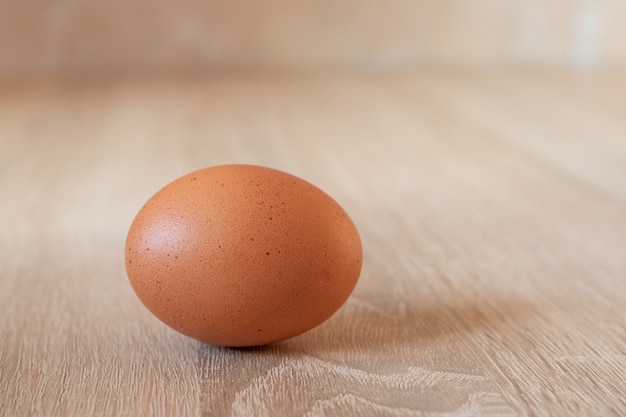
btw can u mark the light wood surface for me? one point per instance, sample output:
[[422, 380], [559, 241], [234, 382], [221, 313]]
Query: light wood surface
[[492, 209]]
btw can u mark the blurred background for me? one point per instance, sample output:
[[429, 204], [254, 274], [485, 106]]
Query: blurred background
[[77, 38]]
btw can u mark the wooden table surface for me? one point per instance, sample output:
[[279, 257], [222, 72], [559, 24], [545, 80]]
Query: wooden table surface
[[492, 209]]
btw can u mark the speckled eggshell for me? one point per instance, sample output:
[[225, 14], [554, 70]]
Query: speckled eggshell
[[242, 255]]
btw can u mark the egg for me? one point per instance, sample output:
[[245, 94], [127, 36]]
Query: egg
[[242, 255]]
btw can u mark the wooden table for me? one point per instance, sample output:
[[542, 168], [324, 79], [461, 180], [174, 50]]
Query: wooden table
[[492, 209]]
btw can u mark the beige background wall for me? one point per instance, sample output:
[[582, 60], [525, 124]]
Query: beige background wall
[[39, 37]]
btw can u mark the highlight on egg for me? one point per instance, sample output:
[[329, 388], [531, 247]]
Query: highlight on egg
[[242, 255]]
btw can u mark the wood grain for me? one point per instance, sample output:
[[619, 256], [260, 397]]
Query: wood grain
[[492, 209]]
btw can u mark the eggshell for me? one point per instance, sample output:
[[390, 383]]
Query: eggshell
[[242, 255]]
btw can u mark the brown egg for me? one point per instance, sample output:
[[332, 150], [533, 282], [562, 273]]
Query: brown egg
[[242, 255]]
